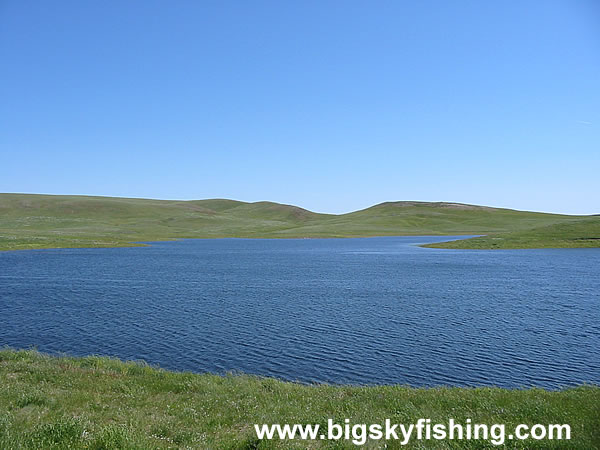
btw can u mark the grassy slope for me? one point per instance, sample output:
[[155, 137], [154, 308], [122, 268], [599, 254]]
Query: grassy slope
[[44, 221], [577, 233], [98, 403]]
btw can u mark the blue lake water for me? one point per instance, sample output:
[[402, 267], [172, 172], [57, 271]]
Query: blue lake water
[[362, 311]]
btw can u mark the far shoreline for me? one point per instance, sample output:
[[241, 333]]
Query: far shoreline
[[149, 243]]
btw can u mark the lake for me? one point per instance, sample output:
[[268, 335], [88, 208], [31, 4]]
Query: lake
[[360, 311]]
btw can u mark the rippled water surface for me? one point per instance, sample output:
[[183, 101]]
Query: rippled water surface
[[368, 311]]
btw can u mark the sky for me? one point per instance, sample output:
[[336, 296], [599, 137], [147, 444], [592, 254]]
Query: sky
[[329, 105]]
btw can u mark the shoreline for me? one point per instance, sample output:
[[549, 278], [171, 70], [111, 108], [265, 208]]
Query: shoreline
[[98, 402], [114, 360], [149, 243], [458, 244]]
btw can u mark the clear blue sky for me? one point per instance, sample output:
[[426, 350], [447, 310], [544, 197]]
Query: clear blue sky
[[329, 105]]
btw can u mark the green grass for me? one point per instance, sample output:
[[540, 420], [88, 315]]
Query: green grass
[[45, 221], [578, 233], [102, 403]]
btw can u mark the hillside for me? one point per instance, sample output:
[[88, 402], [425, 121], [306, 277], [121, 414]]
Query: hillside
[[47, 221]]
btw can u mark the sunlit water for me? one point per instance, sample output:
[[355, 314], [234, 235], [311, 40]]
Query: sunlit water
[[366, 311]]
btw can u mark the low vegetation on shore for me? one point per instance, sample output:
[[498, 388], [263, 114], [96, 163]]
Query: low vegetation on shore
[[583, 233], [30, 221], [100, 403]]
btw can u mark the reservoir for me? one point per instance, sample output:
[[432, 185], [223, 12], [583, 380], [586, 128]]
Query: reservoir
[[360, 311]]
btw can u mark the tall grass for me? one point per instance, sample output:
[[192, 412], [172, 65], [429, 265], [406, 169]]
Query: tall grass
[[102, 403]]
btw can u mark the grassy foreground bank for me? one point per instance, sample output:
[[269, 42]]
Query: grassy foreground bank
[[94, 402]]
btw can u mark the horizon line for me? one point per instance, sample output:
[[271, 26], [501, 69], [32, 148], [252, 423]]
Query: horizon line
[[296, 206]]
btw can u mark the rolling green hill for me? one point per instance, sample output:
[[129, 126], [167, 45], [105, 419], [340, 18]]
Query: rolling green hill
[[47, 221]]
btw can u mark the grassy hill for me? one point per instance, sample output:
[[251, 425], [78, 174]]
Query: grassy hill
[[102, 403], [47, 221]]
